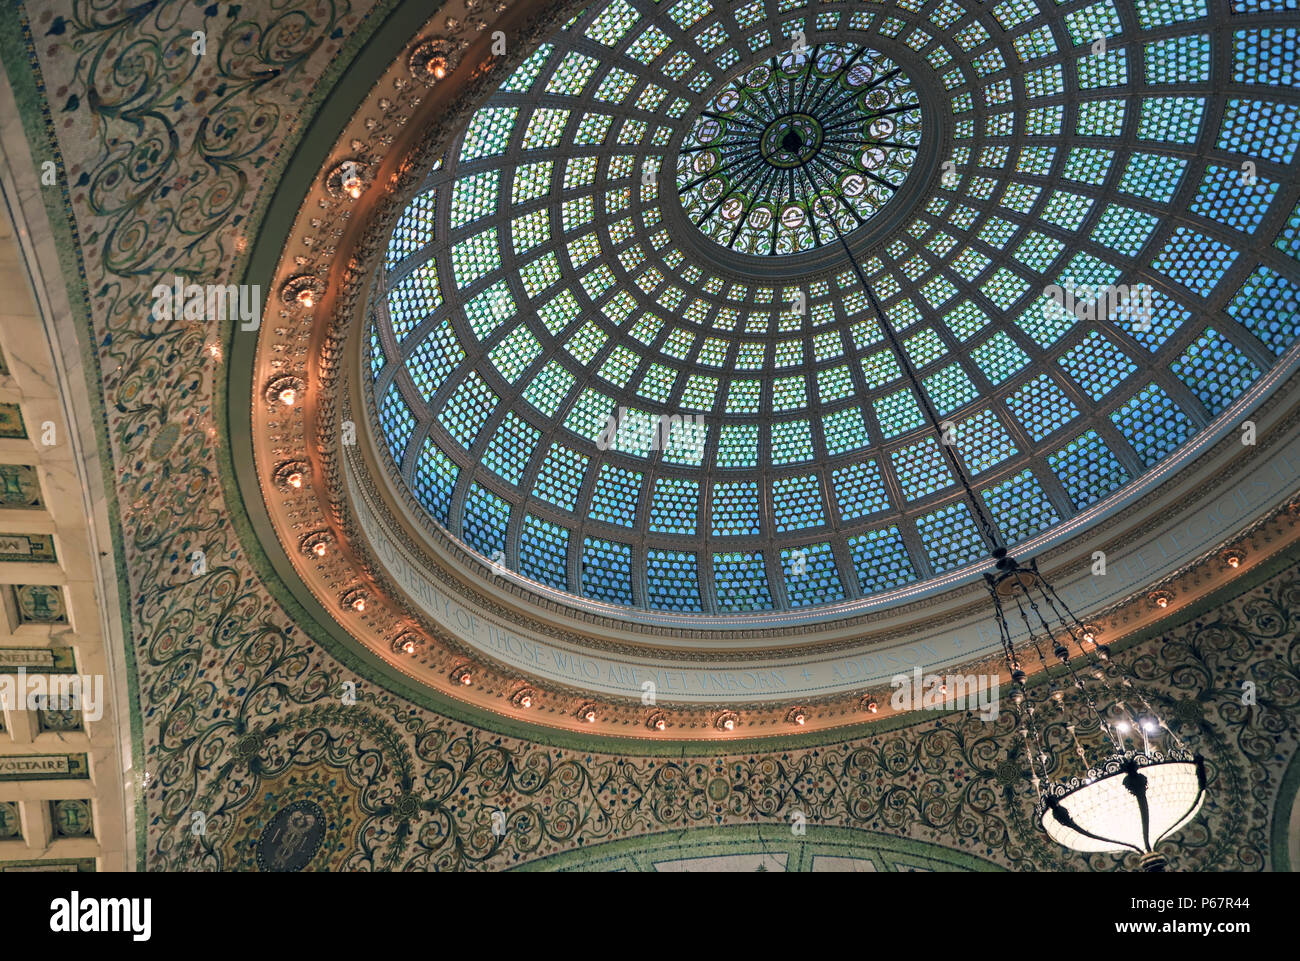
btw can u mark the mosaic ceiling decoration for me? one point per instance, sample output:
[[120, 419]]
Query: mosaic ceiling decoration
[[814, 135], [574, 391]]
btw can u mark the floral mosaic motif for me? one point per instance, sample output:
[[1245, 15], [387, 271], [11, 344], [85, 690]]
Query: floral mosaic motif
[[40, 604], [71, 818], [11, 422], [58, 719], [11, 828], [19, 487]]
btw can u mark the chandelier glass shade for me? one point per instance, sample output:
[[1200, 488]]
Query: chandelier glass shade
[[1129, 802]]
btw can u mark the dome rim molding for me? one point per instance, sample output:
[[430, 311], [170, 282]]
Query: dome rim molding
[[347, 282]]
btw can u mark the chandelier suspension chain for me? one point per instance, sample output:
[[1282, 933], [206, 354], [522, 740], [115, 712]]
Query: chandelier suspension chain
[[986, 528]]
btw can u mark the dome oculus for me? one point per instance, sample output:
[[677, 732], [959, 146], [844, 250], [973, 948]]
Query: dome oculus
[[821, 132]]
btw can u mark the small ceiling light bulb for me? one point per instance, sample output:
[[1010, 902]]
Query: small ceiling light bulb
[[409, 647], [466, 679], [729, 724], [1150, 726], [294, 479], [525, 701], [1162, 602], [288, 397], [359, 605], [660, 725], [872, 707], [352, 184], [799, 719], [590, 717], [1122, 727], [436, 67], [319, 549], [306, 297]]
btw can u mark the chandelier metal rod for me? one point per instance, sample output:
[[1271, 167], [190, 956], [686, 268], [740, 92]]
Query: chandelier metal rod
[[990, 535]]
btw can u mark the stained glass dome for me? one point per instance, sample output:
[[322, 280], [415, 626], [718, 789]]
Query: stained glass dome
[[578, 375], [816, 133]]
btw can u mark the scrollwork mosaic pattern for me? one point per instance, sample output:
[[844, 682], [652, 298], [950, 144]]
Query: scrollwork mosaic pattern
[[415, 791]]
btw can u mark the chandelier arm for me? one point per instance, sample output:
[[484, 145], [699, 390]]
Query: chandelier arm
[[1025, 713], [1034, 639], [1068, 620], [1008, 651], [1048, 593], [1088, 699]]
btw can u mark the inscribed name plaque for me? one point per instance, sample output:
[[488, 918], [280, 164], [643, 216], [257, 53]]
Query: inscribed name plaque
[[44, 767], [37, 660], [32, 548]]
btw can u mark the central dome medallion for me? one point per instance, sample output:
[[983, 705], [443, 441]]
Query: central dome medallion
[[794, 152]]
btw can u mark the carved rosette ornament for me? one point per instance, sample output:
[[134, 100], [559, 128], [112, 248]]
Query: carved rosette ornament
[[303, 291], [433, 60], [525, 697], [1159, 599], [291, 475], [315, 544], [408, 642], [348, 179], [355, 600], [285, 390]]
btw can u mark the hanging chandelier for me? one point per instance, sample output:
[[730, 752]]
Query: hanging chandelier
[[1132, 794]]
